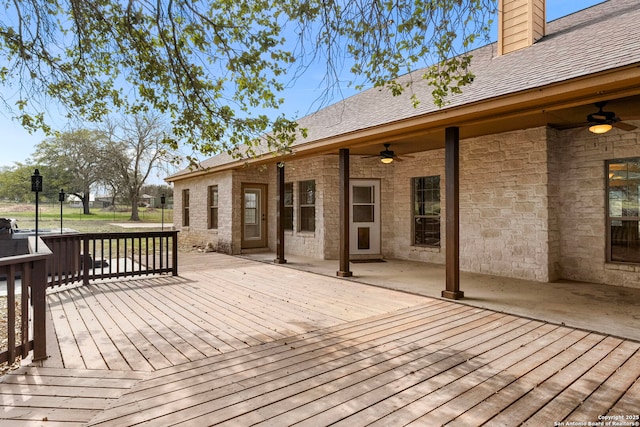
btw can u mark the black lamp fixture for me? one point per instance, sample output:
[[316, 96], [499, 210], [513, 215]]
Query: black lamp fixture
[[61, 197], [36, 187]]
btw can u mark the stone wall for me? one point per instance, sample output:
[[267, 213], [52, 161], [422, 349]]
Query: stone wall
[[583, 206], [304, 243], [325, 242], [399, 231], [197, 234], [532, 205], [504, 205]]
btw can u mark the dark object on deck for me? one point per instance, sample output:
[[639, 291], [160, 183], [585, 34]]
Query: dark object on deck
[[97, 263]]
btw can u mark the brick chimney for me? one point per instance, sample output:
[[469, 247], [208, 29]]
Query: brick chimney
[[520, 24]]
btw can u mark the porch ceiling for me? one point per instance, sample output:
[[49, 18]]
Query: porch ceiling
[[563, 117]]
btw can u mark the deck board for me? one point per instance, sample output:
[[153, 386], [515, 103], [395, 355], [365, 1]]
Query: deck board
[[32, 395], [534, 407], [592, 394], [107, 355], [283, 363], [111, 331], [491, 405], [607, 382], [189, 326], [237, 342], [59, 306]]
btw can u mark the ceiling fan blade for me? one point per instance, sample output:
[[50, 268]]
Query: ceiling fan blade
[[624, 126]]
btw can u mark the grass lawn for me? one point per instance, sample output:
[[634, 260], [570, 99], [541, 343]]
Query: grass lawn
[[99, 220]]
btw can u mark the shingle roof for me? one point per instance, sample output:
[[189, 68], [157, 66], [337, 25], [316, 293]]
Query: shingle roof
[[603, 37]]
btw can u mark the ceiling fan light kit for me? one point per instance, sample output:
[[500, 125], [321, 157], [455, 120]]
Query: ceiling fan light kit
[[600, 128], [386, 155], [603, 121]]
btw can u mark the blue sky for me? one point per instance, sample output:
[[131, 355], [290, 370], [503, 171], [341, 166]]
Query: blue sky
[[17, 144]]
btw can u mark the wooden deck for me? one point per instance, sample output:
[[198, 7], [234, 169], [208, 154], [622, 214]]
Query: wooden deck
[[237, 342]]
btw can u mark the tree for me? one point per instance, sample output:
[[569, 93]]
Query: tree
[[137, 144], [74, 161], [15, 183], [211, 65]]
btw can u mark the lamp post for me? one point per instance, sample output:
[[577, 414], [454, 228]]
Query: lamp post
[[163, 199], [36, 187], [61, 200]]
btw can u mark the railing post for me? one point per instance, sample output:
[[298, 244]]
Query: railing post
[[11, 313], [164, 240], [38, 292], [174, 255], [24, 304], [86, 259]]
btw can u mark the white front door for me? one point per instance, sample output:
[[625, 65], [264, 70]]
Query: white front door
[[364, 228]]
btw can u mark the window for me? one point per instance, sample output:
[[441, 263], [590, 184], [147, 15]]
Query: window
[[307, 198], [287, 215], [426, 211], [623, 210], [213, 207], [185, 208], [363, 204]]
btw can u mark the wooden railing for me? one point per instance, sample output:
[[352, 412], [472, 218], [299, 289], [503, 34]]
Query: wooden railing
[[85, 256], [30, 271], [73, 258]]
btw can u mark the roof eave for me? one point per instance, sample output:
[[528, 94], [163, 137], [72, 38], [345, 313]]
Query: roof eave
[[578, 91]]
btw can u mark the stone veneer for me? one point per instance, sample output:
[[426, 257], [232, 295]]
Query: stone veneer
[[400, 231], [198, 234], [532, 205], [583, 206], [304, 243], [504, 205]]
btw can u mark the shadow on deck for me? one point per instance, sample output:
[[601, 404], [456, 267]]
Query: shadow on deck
[[240, 342]]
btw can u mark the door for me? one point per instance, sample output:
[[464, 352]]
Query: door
[[254, 216], [364, 228]]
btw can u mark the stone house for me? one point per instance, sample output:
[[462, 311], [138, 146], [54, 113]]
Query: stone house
[[507, 179]]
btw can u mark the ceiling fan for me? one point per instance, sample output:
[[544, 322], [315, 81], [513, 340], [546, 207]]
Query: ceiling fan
[[603, 121], [388, 156]]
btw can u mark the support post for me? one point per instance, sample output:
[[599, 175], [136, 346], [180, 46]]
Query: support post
[[344, 214], [452, 192], [280, 259]]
